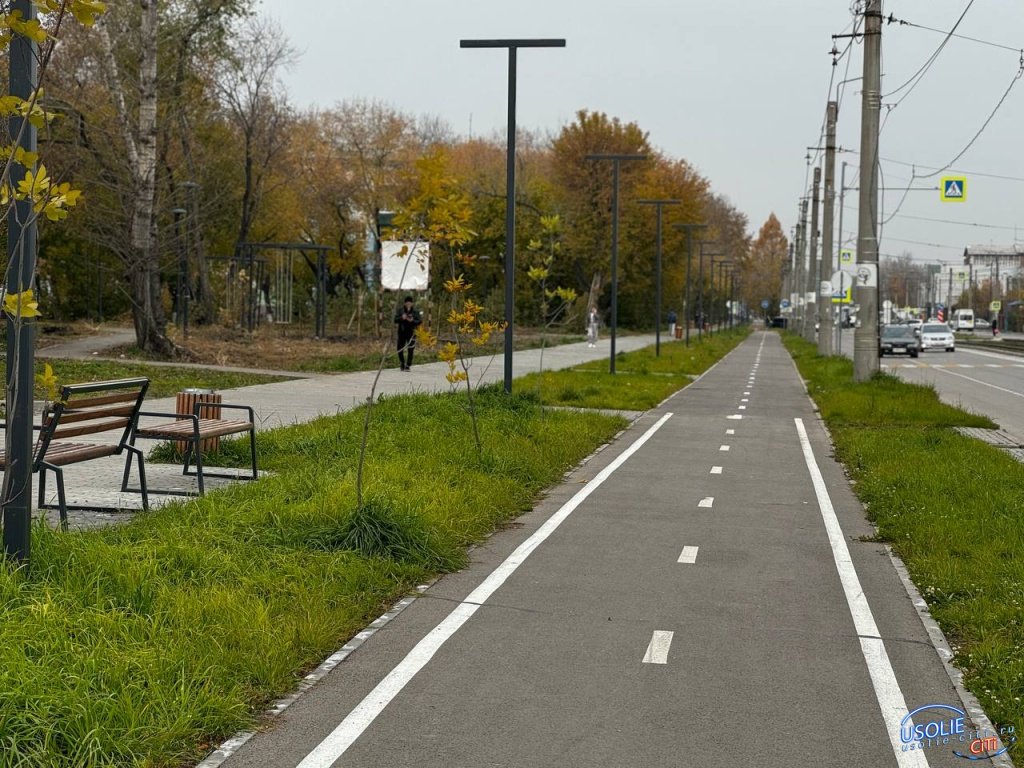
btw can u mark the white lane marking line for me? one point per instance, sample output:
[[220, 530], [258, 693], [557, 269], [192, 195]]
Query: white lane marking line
[[883, 678], [707, 502], [657, 649], [730, 431], [688, 555], [979, 381], [735, 416], [716, 471], [723, 447], [745, 400], [743, 408], [746, 393], [327, 752]]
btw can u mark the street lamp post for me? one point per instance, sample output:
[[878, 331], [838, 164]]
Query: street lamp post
[[659, 205], [510, 179], [688, 228], [616, 161], [700, 288]]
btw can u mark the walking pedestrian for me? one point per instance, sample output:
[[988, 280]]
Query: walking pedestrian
[[593, 321], [407, 318], [673, 318]]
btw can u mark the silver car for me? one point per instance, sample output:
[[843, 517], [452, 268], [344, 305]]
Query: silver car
[[937, 336]]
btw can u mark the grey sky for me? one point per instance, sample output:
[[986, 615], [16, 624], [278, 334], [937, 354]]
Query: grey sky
[[736, 87]]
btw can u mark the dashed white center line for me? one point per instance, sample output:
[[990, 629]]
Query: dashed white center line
[[730, 431], [743, 407], [716, 470], [723, 447], [657, 650], [689, 555], [746, 393], [706, 503], [735, 416], [744, 399]]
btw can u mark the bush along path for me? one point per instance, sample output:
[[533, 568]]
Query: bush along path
[[950, 507]]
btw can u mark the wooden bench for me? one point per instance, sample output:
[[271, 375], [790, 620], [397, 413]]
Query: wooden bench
[[85, 410], [192, 429]]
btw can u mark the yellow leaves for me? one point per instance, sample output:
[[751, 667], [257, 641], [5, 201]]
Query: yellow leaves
[[425, 338], [538, 273], [551, 224], [449, 352], [567, 295], [21, 304], [47, 380], [454, 377], [465, 319], [86, 11], [457, 284], [31, 29], [49, 199]]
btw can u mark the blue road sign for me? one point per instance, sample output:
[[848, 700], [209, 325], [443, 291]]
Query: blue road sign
[[765, 303], [784, 304]]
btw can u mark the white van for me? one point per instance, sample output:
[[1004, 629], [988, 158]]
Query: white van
[[963, 320]]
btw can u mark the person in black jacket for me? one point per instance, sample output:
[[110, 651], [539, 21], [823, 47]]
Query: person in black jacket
[[407, 318]]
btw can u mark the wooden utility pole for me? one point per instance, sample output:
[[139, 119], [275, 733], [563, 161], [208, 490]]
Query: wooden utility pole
[[812, 262]]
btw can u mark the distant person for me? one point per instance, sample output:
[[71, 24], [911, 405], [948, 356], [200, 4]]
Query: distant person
[[593, 322], [407, 318], [673, 318], [995, 326]]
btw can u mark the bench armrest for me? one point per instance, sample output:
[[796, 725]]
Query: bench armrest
[[165, 415], [200, 406]]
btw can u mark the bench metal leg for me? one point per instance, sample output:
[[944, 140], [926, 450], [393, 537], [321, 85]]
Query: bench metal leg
[[133, 451], [62, 503]]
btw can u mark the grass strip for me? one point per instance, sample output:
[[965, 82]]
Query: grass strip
[[164, 380], [144, 643], [642, 379], [949, 505]]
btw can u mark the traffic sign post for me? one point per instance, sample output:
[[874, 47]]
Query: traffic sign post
[[953, 189]]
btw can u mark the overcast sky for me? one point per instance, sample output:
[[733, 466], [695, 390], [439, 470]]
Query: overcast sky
[[736, 87]]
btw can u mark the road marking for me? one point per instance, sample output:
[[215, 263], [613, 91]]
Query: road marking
[[743, 408], [657, 649], [689, 555], [735, 416], [883, 678], [979, 381], [723, 447], [744, 399], [707, 502], [327, 752], [746, 393], [716, 470], [730, 431]]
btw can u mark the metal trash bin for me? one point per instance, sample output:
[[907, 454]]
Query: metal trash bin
[[185, 402]]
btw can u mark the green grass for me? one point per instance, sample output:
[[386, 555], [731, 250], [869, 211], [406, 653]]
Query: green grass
[[144, 643], [642, 380], [164, 380], [951, 508]]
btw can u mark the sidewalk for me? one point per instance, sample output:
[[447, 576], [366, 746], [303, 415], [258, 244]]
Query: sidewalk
[[704, 591], [296, 401]]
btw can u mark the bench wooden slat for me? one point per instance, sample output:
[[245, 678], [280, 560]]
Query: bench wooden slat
[[89, 429], [125, 396], [72, 415], [176, 430], [62, 453]]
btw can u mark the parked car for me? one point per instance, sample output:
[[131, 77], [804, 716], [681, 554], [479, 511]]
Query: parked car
[[982, 324], [916, 324], [898, 339], [937, 336]]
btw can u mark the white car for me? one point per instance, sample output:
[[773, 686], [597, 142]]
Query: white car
[[937, 336]]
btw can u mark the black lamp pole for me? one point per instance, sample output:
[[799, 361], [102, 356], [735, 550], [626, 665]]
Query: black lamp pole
[[616, 162], [510, 180], [688, 228], [659, 205]]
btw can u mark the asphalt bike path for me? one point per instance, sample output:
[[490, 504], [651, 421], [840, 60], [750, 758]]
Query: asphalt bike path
[[701, 592]]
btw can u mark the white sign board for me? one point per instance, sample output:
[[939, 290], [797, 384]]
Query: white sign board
[[866, 275], [405, 266]]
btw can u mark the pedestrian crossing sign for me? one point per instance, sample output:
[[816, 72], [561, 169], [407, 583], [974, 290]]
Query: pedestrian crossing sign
[[954, 189]]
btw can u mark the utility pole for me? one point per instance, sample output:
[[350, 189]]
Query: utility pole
[[687, 313], [839, 253], [825, 297], [659, 205], [865, 289], [617, 161], [812, 261], [510, 180], [21, 260], [801, 265]]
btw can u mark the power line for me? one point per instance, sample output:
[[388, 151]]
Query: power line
[[978, 40], [919, 75]]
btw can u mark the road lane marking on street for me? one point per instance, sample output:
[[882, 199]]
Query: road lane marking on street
[[688, 555], [327, 752], [746, 393], [730, 431], [707, 502], [723, 447], [735, 416], [743, 408], [745, 399], [979, 381], [883, 679], [657, 649], [716, 470]]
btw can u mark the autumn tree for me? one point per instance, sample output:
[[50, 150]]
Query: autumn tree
[[762, 268]]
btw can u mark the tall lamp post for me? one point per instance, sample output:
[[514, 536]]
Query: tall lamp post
[[689, 230], [510, 179], [616, 161], [659, 205], [700, 287], [21, 260]]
